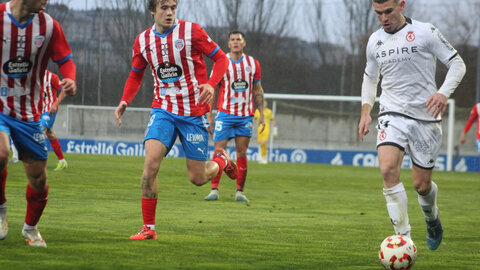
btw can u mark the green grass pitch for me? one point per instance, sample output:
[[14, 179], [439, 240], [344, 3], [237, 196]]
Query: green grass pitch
[[300, 216]]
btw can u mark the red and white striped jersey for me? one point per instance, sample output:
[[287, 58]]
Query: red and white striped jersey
[[178, 68], [474, 117], [235, 90], [51, 86], [26, 49]]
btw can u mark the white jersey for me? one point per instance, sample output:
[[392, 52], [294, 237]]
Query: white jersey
[[406, 60]]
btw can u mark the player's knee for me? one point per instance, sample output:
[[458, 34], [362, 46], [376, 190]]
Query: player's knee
[[198, 180], [389, 173], [422, 188]]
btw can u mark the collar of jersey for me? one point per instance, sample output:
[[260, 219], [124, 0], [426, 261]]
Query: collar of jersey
[[407, 21], [236, 62], [18, 24], [164, 34]]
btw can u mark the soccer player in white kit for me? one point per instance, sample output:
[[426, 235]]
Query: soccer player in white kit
[[404, 52]]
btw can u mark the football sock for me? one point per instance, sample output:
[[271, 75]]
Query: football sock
[[36, 202], [242, 172], [57, 148], [216, 179], [149, 207], [221, 161], [397, 206], [263, 151], [3, 181], [428, 204]]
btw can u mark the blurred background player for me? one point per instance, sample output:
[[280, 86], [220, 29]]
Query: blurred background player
[[474, 117], [404, 52], [51, 87], [174, 51], [264, 136], [30, 38], [238, 91]]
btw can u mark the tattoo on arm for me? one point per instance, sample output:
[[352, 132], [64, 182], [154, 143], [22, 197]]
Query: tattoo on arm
[[258, 98]]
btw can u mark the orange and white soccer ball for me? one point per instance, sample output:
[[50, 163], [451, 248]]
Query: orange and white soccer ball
[[397, 252]]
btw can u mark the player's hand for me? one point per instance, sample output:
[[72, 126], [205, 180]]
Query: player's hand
[[363, 126], [462, 139], [206, 93], [437, 104], [119, 112], [69, 86], [54, 108]]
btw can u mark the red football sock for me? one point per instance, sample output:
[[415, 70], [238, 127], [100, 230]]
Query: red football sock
[[216, 179], [149, 207], [57, 148], [3, 181], [36, 202], [221, 165], [220, 160], [242, 172]]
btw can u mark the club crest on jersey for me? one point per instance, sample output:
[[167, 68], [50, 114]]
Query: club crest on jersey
[[39, 41], [179, 44], [239, 86], [410, 36], [383, 135], [17, 67], [169, 72]]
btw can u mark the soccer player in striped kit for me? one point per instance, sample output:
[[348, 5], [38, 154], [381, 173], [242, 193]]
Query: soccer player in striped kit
[[30, 37], [404, 52], [174, 49], [52, 87], [238, 91]]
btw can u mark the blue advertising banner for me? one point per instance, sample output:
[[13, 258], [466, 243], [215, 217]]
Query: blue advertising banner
[[352, 158]]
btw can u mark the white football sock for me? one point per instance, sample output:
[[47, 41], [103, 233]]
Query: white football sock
[[397, 206], [150, 226], [428, 204]]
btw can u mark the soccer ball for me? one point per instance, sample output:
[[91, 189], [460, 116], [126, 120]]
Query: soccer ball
[[397, 252]]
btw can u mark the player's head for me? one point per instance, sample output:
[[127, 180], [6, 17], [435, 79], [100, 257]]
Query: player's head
[[390, 13], [163, 12], [236, 41], [34, 6]]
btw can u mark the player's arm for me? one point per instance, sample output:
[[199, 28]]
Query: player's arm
[[131, 88], [441, 48], [60, 98], [207, 90], [259, 101], [210, 118], [437, 103], [369, 93], [134, 81], [202, 42], [62, 55], [471, 119], [57, 87]]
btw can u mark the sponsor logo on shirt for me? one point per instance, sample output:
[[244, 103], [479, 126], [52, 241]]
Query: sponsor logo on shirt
[[397, 51], [169, 72], [239, 86], [17, 67]]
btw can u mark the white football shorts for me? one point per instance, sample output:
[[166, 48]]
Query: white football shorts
[[421, 139]]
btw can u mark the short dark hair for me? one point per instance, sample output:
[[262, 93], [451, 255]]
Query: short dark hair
[[383, 1], [152, 4], [236, 32]]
